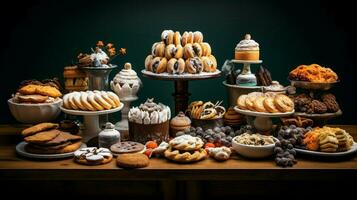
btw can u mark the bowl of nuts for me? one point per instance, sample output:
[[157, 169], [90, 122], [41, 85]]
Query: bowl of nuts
[[254, 145]]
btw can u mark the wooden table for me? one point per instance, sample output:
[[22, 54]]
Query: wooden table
[[170, 176]]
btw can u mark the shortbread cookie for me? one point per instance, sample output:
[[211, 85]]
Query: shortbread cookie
[[42, 137], [127, 147], [67, 149], [93, 156], [258, 104], [241, 102], [132, 160], [186, 143], [38, 128], [186, 157]]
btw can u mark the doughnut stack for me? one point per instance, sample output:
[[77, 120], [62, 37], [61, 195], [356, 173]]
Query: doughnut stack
[[176, 54]]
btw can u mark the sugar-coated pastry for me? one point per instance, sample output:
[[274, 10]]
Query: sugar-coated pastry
[[209, 64], [192, 50], [197, 37], [158, 65], [114, 98], [187, 38], [92, 101], [176, 66], [98, 98], [71, 102], [258, 104], [173, 51], [269, 105], [148, 60], [283, 103], [77, 100], [158, 49], [177, 38], [190, 37], [206, 49], [241, 102], [167, 36], [194, 65], [85, 102], [106, 97]]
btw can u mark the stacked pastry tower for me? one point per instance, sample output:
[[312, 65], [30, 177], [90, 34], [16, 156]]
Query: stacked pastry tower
[[316, 102], [177, 54]]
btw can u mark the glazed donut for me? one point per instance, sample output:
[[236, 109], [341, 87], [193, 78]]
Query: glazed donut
[[173, 51], [283, 103], [241, 102], [177, 38], [158, 65], [77, 101], [208, 65], [192, 50], [148, 60], [98, 97], [206, 49], [194, 65], [167, 36], [269, 105], [93, 102], [197, 37], [84, 100], [158, 49], [114, 98], [176, 66]]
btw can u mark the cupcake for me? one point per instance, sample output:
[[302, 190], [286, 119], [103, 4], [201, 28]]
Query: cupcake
[[149, 121], [247, 49], [179, 123], [126, 83]]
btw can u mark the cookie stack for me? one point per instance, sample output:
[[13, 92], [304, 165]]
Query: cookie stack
[[185, 149], [232, 118], [328, 142], [45, 138], [265, 102], [130, 154], [177, 54], [34, 92], [91, 100]]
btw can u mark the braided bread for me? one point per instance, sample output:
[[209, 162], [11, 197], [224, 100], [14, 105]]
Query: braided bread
[[186, 143], [176, 155]]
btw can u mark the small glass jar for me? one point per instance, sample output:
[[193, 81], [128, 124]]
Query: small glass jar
[[108, 136]]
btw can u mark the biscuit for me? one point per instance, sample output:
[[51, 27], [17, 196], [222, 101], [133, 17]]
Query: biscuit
[[42, 137], [283, 103], [241, 102], [93, 156], [258, 104], [38, 128], [126, 147], [67, 149], [132, 160], [62, 137], [32, 98]]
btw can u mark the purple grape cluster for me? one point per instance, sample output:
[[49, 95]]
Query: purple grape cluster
[[218, 135], [289, 137]]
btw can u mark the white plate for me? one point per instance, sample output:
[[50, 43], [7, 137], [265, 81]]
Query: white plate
[[20, 149], [262, 114], [90, 113], [167, 76], [325, 154]]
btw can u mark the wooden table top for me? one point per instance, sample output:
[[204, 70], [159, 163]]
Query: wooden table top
[[14, 167]]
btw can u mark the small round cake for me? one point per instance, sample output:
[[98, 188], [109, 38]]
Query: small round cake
[[247, 49]]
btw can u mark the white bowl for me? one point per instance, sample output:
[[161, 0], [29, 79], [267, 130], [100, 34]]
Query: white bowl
[[251, 151], [35, 113]]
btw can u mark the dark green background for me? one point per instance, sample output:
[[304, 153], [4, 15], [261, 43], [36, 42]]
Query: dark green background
[[43, 37]]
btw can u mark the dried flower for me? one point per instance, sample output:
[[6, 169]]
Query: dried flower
[[100, 44], [110, 45], [122, 51]]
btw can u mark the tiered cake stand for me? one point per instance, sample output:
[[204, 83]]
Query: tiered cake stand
[[319, 119], [259, 120], [181, 94], [241, 86], [91, 120]]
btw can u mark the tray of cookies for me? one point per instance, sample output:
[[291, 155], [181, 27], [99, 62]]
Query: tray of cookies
[[47, 141]]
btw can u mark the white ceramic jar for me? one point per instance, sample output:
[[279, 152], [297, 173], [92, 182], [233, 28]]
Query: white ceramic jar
[[108, 136]]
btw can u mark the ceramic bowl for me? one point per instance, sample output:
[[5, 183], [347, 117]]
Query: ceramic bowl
[[35, 113], [251, 151]]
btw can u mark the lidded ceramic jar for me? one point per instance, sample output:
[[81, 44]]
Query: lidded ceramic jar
[[126, 83], [179, 123], [108, 136]]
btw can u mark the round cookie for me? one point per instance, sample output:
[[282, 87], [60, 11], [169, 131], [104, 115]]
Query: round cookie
[[98, 97], [269, 105], [241, 102], [93, 156], [85, 102], [132, 160], [283, 103], [127, 147], [258, 104], [93, 102]]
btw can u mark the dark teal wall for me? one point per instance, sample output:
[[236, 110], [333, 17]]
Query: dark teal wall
[[43, 37]]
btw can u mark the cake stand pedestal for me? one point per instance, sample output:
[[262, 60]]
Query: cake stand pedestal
[[181, 94], [123, 125], [91, 120], [262, 121], [246, 77]]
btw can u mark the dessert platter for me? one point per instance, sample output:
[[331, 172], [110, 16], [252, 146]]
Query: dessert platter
[[198, 131], [181, 59], [91, 104]]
